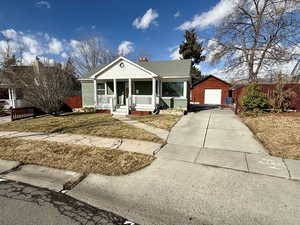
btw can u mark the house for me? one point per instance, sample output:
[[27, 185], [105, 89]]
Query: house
[[11, 96], [210, 90], [127, 87]]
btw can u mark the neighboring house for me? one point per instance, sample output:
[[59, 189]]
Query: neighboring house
[[127, 87], [211, 90], [10, 95]]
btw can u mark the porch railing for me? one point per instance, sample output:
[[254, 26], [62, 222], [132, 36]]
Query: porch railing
[[104, 99], [142, 99]]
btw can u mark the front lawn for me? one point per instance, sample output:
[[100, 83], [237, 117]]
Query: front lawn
[[280, 133], [95, 124], [164, 121], [77, 158]]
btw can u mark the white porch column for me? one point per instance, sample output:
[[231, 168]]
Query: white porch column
[[153, 92], [95, 93], [185, 89], [115, 88], [160, 88], [130, 92], [105, 87], [11, 103]]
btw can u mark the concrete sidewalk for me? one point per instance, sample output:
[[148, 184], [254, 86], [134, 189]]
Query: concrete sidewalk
[[130, 145], [5, 119], [163, 134]]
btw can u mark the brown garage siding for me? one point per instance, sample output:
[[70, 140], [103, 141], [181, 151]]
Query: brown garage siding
[[210, 82]]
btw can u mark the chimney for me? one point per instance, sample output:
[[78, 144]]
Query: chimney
[[143, 59]]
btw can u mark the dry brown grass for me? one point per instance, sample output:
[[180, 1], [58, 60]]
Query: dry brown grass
[[82, 159], [95, 124], [161, 121], [279, 134]]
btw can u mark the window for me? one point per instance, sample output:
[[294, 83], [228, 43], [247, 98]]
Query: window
[[142, 87], [100, 89], [4, 93], [172, 89]]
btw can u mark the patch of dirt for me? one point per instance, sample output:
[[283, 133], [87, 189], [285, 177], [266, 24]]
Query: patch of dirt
[[279, 133], [83, 159]]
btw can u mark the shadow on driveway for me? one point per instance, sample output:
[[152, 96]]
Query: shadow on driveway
[[202, 107]]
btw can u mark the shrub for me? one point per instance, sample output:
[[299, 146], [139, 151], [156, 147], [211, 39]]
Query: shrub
[[254, 100], [279, 97]]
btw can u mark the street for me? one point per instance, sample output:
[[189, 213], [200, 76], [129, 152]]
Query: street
[[23, 204]]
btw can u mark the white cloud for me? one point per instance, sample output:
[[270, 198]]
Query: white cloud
[[32, 45], [174, 55], [177, 14], [64, 55], [55, 46], [9, 33], [145, 21], [125, 48], [211, 17], [43, 4], [28, 58]]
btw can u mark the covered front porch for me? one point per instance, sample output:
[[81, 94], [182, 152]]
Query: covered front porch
[[10, 97], [122, 96]]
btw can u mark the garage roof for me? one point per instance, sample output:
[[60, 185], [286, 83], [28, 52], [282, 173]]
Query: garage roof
[[206, 78]]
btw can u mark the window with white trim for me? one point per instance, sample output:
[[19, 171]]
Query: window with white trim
[[100, 89]]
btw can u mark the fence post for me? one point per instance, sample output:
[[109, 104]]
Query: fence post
[[236, 106], [11, 114]]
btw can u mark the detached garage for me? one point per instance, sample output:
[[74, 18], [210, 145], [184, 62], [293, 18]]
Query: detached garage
[[211, 90]]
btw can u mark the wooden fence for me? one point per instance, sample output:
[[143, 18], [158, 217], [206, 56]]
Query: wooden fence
[[23, 113], [74, 102], [267, 88]]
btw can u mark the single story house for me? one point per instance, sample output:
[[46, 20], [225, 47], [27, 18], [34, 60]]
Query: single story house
[[211, 90], [12, 96], [127, 87]]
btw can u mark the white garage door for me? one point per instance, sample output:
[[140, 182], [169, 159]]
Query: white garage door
[[213, 96]]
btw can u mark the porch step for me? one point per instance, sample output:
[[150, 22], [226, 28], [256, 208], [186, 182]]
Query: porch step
[[120, 111]]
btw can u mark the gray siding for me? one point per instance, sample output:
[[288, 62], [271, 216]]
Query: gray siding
[[88, 92]]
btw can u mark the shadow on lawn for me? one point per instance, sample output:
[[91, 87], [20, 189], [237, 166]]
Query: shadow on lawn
[[79, 212]]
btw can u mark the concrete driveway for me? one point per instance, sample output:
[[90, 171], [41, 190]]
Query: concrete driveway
[[212, 171], [217, 129], [218, 138]]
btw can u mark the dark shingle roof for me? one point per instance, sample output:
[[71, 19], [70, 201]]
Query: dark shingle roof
[[170, 68]]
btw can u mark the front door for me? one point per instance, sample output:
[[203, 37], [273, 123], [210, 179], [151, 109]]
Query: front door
[[122, 92]]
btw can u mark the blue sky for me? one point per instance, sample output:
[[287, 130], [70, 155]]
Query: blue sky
[[155, 27]]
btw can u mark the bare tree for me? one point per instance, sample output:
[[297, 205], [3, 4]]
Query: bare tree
[[258, 36], [44, 86], [89, 54], [11, 53]]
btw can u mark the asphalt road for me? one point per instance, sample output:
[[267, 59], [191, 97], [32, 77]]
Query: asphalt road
[[22, 204]]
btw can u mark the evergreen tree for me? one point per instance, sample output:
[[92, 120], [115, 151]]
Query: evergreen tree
[[191, 48]]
